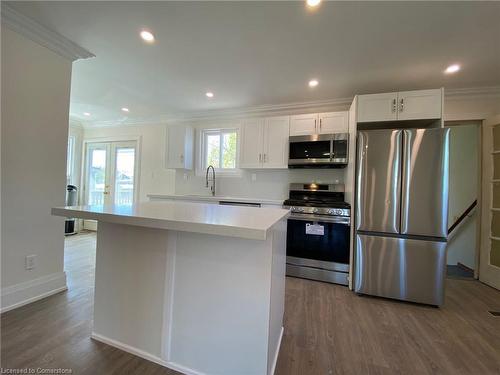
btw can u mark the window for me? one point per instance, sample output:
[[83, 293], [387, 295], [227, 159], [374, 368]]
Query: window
[[69, 160], [220, 148]]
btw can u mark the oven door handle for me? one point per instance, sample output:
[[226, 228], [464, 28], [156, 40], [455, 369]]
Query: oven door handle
[[319, 219]]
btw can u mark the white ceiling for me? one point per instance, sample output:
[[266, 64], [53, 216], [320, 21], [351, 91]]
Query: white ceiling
[[263, 53]]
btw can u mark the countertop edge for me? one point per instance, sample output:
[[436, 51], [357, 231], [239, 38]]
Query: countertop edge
[[182, 226]]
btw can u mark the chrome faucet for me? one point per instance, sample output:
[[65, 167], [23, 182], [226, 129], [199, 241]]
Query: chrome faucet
[[212, 188]]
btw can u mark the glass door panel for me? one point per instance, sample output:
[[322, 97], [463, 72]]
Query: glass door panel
[[124, 175], [97, 174]]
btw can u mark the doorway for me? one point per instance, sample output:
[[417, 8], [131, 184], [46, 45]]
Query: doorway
[[110, 175], [464, 190]]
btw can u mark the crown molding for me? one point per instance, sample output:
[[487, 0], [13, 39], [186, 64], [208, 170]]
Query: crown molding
[[472, 92], [277, 110], [230, 114], [40, 34]]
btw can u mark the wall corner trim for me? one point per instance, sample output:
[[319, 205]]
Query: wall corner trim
[[40, 34], [21, 294]]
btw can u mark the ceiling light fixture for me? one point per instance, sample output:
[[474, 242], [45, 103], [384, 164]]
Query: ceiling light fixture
[[124, 109], [86, 113], [452, 69], [313, 3], [209, 94], [313, 83], [147, 36]]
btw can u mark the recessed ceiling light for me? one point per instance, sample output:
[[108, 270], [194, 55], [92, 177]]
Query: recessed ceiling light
[[209, 94], [313, 83], [86, 113], [313, 3], [124, 109], [452, 69], [147, 36]]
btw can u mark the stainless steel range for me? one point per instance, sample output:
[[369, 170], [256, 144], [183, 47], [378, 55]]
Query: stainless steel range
[[318, 233]]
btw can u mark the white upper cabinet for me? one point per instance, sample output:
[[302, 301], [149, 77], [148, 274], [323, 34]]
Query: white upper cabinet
[[251, 143], [303, 124], [322, 123], [179, 153], [420, 105], [333, 122], [378, 107], [264, 143], [404, 105], [276, 142]]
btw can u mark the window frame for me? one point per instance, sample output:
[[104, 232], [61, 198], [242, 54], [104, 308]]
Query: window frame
[[202, 148]]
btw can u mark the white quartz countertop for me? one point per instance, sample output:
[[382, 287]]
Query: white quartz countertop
[[231, 221], [209, 198]]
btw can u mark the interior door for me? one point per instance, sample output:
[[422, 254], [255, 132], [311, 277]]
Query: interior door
[[378, 181], [489, 262], [424, 196]]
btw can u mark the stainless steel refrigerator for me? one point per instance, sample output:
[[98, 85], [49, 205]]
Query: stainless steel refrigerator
[[402, 214]]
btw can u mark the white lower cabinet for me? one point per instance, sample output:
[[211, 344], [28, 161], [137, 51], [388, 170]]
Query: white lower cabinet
[[264, 143]]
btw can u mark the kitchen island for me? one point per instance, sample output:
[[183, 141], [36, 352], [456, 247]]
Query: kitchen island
[[195, 287]]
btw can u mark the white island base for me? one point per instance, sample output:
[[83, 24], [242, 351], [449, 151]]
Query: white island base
[[194, 302]]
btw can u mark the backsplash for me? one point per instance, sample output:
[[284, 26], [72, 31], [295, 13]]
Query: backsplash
[[268, 184]]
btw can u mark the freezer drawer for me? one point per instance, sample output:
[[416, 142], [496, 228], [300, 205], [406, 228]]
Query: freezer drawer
[[424, 196], [378, 181], [405, 269]]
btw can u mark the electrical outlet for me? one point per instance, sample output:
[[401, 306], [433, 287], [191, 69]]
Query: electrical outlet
[[30, 262]]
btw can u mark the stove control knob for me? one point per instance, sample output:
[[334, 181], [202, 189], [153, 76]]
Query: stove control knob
[[337, 212]]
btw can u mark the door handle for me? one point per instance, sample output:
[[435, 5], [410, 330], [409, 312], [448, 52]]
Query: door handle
[[182, 158], [315, 126], [401, 105], [320, 122], [260, 158], [264, 158], [394, 105]]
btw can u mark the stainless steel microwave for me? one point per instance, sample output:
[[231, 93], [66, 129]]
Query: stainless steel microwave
[[319, 151]]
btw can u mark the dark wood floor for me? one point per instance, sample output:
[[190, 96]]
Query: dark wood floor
[[328, 330]]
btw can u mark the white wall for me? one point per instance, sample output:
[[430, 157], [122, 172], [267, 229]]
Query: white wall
[[272, 184], [154, 178], [464, 178], [35, 107]]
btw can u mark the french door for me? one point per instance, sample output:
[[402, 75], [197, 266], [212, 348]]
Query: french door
[[489, 265], [110, 173]]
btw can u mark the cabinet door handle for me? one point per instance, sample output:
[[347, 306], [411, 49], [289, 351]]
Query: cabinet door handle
[[264, 158], [315, 127], [182, 158], [401, 105], [260, 158], [394, 105], [320, 123]]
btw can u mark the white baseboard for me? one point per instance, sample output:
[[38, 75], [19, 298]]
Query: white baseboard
[[21, 294], [276, 354], [143, 354]]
